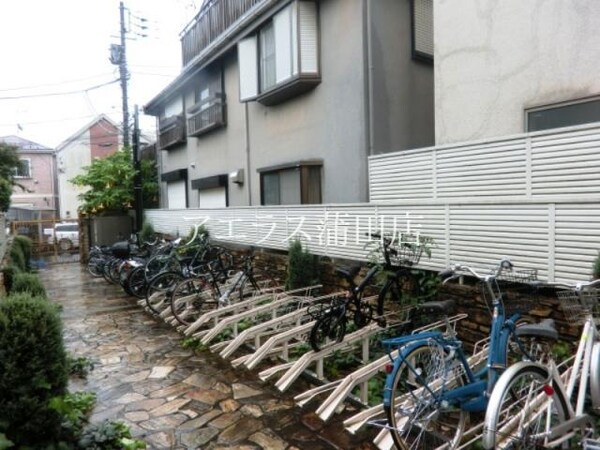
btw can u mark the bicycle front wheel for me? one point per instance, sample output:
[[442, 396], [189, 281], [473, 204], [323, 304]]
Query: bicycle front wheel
[[159, 289], [330, 328], [413, 401], [256, 283], [524, 404], [191, 298]]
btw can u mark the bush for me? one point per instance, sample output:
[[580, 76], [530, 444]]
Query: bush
[[26, 245], [17, 257], [147, 233], [596, 268], [9, 273], [109, 436], [29, 283], [303, 267], [33, 369]]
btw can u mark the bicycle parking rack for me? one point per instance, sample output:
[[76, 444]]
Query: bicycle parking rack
[[273, 327], [217, 314]]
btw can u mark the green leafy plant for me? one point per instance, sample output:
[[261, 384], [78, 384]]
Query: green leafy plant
[[109, 435], [596, 268], [5, 442], [303, 267], [74, 408], [110, 183], [193, 343], [80, 366], [29, 283], [26, 246], [147, 233], [9, 160], [561, 351], [33, 369], [17, 258]]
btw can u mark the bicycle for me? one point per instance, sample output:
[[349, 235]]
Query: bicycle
[[195, 296], [400, 284], [430, 389], [531, 407]]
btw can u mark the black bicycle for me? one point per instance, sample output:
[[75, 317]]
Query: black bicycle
[[400, 286]]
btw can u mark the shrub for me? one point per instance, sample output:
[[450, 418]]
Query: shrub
[[596, 268], [17, 257], [33, 369], [29, 283], [9, 273], [303, 267], [26, 245], [74, 408], [147, 233], [109, 436]]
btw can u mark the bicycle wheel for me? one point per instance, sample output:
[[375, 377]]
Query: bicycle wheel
[[522, 404], [258, 282], [417, 415], [95, 265], [136, 282], [159, 263], [328, 329], [191, 298], [157, 294]]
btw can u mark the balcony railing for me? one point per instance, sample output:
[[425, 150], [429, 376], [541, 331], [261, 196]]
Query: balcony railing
[[206, 115], [171, 132], [215, 17]]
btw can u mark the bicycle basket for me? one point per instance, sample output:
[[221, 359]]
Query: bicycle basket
[[517, 294], [406, 254], [577, 304]]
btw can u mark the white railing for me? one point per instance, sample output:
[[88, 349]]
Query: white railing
[[532, 165]]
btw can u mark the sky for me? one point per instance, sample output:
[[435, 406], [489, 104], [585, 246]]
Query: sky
[[55, 73]]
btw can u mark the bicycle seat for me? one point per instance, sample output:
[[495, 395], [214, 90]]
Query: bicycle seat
[[443, 307], [544, 329], [348, 272]]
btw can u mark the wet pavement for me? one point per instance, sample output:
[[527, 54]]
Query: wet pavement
[[171, 397]]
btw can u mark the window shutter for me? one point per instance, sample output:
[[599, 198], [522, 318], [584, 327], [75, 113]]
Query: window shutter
[[248, 64], [308, 29], [423, 27], [283, 44]]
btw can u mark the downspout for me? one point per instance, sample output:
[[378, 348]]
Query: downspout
[[248, 174], [368, 88]]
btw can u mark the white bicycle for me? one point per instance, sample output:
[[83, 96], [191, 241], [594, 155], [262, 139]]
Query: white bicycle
[[533, 405]]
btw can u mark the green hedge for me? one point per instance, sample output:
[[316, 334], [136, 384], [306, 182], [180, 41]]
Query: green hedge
[[33, 369], [9, 273], [303, 267], [21, 248], [29, 283]]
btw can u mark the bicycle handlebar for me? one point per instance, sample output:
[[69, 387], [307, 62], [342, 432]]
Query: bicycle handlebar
[[572, 286], [459, 270]]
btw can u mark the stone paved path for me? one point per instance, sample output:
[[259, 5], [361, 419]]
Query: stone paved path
[[171, 397]]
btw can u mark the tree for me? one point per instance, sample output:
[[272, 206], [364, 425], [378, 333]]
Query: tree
[[110, 183], [9, 161]]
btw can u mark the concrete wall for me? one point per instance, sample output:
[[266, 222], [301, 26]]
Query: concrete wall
[[495, 59], [402, 88]]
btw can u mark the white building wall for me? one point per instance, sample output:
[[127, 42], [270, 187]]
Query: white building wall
[[495, 59], [70, 160]]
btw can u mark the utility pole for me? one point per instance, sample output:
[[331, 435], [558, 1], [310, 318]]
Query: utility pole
[[137, 180], [118, 57], [123, 74]]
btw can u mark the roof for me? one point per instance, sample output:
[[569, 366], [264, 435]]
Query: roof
[[24, 144], [84, 129]]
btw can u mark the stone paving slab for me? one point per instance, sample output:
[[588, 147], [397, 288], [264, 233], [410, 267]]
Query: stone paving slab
[[171, 397]]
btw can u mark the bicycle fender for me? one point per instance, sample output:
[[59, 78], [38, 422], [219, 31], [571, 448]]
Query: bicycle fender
[[404, 352]]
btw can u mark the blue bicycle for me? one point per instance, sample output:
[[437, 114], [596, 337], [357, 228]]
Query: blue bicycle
[[431, 389]]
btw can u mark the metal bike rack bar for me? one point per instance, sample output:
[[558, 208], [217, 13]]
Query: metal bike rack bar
[[261, 329], [270, 346], [317, 357], [225, 310], [232, 321]]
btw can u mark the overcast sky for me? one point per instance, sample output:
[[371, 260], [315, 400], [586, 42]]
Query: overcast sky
[[53, 54]]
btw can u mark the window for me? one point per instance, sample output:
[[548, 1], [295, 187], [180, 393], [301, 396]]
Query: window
[[563, 115], [281, 59], [295, 184], [422, 29], [23, 170]]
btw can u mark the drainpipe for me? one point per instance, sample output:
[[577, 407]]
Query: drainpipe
[[248, 174], [368, 87]]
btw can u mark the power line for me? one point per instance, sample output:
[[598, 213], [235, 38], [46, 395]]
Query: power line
[[55, 94], [60, 83]]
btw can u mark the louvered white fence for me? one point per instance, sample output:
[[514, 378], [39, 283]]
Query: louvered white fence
[[534, 198]]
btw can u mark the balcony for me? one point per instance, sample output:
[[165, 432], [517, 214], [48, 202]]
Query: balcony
[[206, 115], [215, 17], [171, 132]]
